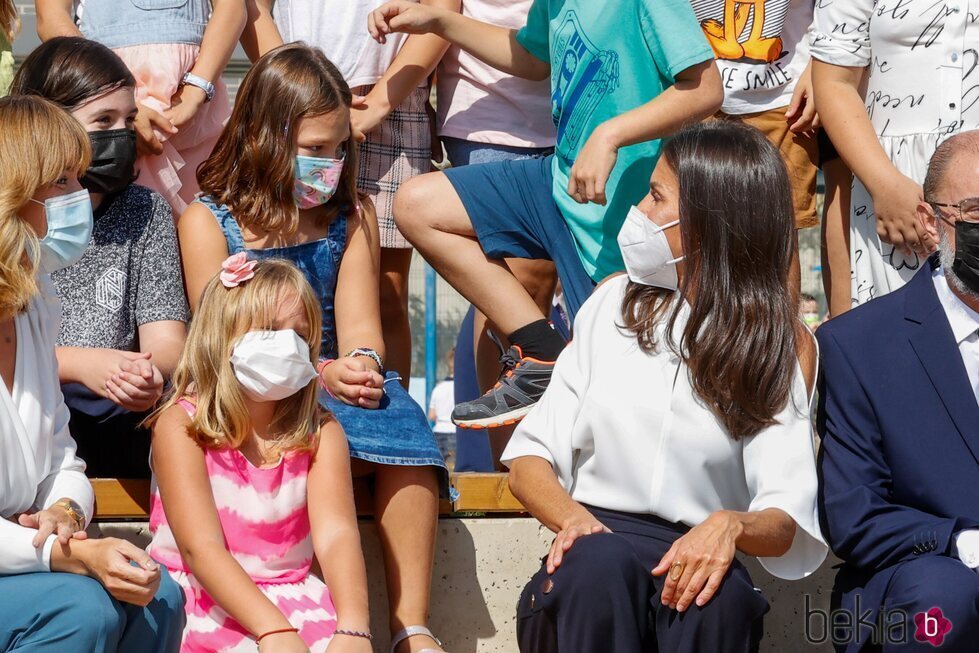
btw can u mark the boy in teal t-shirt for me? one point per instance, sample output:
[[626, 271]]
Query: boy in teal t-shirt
[[623, 75]]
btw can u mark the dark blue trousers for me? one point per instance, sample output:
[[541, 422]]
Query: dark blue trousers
[[603, 599]]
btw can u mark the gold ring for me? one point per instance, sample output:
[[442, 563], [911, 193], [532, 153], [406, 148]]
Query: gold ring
[[676, 570]]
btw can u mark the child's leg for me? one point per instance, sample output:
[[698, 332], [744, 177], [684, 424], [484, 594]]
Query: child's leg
[[395, 264], [406, 512], [836, 236]]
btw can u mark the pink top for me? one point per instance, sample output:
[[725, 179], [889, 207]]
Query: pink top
[[263, 515], [479, 103]]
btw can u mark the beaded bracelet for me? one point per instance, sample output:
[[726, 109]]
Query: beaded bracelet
[[275, 632], [367, 352], [354, 633]]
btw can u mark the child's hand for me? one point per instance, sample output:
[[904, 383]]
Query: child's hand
[[137, 385], [184, 105], [147, 144], [352, 381], [401, 16], [801, 113], [592, 168], [364, 119], [287, 642]]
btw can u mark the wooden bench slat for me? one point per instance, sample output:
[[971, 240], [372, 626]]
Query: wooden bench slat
[[484, 493]]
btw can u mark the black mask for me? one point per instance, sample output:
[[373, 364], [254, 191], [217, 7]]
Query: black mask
[[966, 265], [113, 161]]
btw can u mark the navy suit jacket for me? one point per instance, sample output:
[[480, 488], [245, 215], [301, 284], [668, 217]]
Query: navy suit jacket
[[899, 421]]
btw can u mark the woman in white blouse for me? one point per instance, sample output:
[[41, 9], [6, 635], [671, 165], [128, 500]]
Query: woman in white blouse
[[111, 596], [676, 428], [891, 82]]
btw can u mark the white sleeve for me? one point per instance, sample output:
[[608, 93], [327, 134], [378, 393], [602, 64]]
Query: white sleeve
[[17, 551], [780, 470], [841, 32], [546, 432]]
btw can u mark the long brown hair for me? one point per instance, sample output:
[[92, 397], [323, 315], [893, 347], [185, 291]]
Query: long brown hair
[[737, 229], [205, 372], [9, 23], [252, 167]]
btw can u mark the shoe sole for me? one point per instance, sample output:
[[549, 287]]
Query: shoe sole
[[506, 419]]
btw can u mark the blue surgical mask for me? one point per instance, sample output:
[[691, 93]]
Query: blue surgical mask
[[69, 219]]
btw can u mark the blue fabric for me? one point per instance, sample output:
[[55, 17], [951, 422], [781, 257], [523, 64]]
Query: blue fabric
[[511, 209], [54, 612], [473, 451], [463, 153], [123, 23], [899, 461], [319, 260]]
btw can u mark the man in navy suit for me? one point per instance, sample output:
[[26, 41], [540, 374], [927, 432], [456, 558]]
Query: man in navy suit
[[899, 420]]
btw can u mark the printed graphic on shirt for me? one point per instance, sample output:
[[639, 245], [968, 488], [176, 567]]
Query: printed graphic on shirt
[[587, 74], [748, 31], [110, 289]]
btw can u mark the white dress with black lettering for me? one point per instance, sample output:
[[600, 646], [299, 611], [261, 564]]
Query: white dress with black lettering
[[922, 87]]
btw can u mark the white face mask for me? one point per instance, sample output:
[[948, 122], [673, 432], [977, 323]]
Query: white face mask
[[272, 365], [646, 252]]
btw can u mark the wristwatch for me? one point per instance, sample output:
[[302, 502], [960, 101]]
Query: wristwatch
[[73, 510], [201, 83]]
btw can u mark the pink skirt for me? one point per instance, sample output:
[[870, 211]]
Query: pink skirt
[[158, 70]]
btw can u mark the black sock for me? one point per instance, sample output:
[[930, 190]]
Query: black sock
[[538, 340]]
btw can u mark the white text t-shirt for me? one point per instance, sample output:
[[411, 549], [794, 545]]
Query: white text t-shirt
[[762, 48]]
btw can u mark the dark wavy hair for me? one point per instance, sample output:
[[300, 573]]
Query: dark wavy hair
[[70, 71], [738, 231], [252, 167]]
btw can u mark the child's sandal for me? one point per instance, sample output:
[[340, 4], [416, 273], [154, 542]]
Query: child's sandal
[[411, 631]]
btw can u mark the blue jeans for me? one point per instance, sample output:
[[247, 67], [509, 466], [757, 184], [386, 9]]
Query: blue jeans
[[463, 153], [53, 612]]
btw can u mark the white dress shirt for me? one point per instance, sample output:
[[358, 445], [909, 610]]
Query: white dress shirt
[[965, 329], [37, 455], [624, 431]]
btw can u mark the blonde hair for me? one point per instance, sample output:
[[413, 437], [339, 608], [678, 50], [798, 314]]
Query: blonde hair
[[38, 143], [9, 23], [205, 374]]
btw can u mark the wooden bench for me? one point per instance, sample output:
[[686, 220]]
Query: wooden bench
[[129, 499]]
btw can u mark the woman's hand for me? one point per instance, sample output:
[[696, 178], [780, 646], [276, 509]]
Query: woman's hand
[[185, 104], [353, 381], [895, 203], [53, 521], [802, 109], [592, 167], [288, 642], [704, 555], [127, 572], [402, 16], [581, 524], [137, 385], [349, 644], [147, 144]]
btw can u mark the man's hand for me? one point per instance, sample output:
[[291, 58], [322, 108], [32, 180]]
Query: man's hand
[[402, 16]]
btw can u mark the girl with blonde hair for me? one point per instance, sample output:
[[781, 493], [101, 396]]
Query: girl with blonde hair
[[252, 480], [111, 596]]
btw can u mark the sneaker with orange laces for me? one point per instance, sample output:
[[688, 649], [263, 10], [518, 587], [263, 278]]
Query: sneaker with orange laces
[[521, 385]]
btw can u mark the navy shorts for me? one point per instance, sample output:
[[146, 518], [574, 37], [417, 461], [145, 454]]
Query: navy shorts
[[514, 215]]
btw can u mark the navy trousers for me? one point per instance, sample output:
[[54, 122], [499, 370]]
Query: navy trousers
[[603, 598], [52, 612]]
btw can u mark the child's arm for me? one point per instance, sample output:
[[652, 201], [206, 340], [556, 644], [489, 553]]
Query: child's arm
[[165, 341], [695, 95], [495, 46], [357, 380], [416, 60], [220, 38], [54, 18], [127, 378], [260, 34], [202, 249], [336, 537], [189, 505]]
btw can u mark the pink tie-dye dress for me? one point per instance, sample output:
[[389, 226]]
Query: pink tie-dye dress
[[266, 528]]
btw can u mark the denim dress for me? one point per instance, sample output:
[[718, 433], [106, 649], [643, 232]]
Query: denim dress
[[396, 433]]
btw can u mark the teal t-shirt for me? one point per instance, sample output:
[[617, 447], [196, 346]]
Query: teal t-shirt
[[606, 59]]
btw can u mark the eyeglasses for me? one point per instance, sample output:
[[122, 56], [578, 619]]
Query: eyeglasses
[[968, 209]]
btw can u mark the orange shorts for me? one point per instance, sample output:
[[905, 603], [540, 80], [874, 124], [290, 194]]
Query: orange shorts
[[801, 155]]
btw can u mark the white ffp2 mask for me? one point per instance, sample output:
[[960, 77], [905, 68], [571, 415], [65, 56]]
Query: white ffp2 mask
[[272, 365], [646, 252]]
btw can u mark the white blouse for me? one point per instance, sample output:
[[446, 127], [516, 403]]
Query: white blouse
[[37, 455], [624, 431]]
